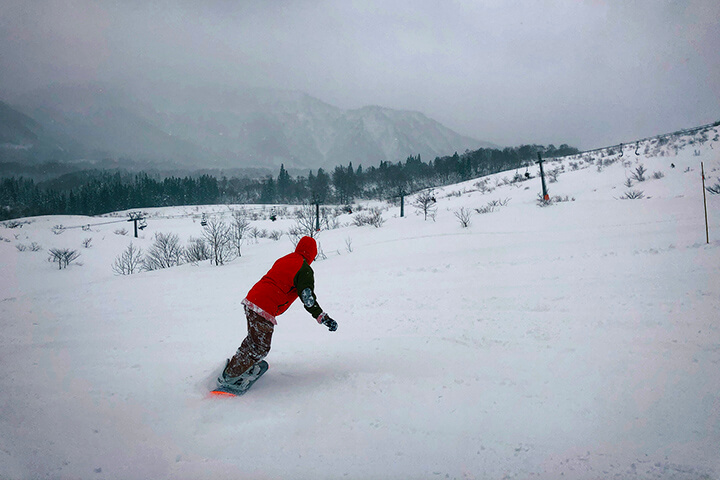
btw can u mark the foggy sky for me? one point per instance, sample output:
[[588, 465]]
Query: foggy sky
[[589, 73]]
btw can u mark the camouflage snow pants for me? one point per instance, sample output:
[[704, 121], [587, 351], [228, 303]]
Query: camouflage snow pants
[[255, 347]]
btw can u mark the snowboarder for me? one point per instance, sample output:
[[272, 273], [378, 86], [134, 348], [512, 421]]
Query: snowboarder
[[289, 278]]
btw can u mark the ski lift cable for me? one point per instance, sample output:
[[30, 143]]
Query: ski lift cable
[[685, 131], [85, 225]]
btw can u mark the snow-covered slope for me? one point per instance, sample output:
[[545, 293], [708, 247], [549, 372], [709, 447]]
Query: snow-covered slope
[[578, 340]]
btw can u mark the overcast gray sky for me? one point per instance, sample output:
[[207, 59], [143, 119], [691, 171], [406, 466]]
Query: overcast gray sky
[[585, 72]]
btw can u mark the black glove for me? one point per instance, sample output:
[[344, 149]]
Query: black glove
[[328, 322]]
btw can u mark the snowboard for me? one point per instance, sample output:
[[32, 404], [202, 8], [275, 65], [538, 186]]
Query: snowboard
[[224, 390]]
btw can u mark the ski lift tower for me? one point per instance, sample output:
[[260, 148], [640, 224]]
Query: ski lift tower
[[546, 197], [136, 217]]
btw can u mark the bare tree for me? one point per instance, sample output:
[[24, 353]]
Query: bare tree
[[129, 262], [463, 215], [239, 230], [63, 256], [165, 252], [426, 203], [219, 237], [305, 223]]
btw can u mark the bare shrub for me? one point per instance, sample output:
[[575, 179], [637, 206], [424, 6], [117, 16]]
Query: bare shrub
[[639, 173], [128, 262], [492, 205], [715, 189], [63, 256], [165, 252], [554, 174], [658, 175], [21, 247], [426, 203], [275, 235], [58, 229], [121, 231], [371, 217], [35, 247], [482, 186], [86, 242], [486, 209], [219, 238], [633, 195], [196, 251], [463, 215], [542, 201], [348, 245], [13, 224]]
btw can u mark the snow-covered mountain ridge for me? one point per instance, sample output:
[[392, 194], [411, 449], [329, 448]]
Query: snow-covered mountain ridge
[[575, 340], [232, 127]]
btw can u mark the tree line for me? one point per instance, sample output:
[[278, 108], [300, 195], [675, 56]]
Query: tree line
[[106, 192]]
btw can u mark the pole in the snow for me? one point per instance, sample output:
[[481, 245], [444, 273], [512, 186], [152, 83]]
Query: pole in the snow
[[707, 230], [546, 197]]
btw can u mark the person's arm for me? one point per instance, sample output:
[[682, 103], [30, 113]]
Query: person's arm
[[305, 286]]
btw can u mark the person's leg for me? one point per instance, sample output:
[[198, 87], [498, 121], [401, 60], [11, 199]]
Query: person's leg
[[254, 348]]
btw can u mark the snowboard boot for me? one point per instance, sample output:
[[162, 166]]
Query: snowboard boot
[[244, 380]]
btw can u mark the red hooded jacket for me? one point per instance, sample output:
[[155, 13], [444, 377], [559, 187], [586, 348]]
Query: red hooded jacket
[[278, 289]]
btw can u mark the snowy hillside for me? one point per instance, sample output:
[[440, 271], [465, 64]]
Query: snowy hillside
[[577, 340]]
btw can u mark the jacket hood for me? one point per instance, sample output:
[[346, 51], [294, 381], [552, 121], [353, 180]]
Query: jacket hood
[[307, 247]]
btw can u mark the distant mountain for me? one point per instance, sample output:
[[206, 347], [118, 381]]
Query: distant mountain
[[23, 139], [203, 127], [16, 129]]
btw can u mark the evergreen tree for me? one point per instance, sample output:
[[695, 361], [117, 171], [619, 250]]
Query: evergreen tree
[[269, 191], [319, 186], [284, 185]]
